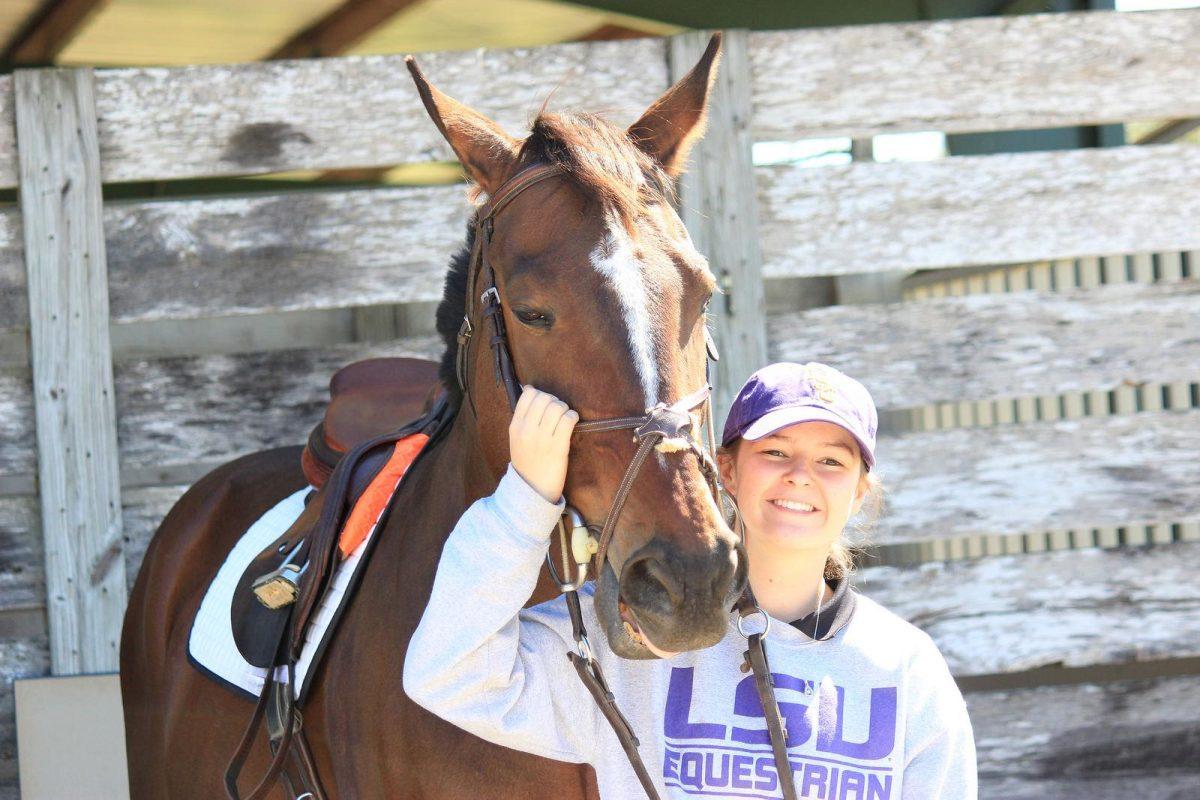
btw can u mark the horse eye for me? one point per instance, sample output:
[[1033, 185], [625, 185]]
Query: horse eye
[[534, 319]]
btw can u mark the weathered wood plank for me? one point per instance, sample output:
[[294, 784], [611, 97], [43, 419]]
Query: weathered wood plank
[[22, 568], [72, 367], [1091, 472], [8, 134], [976, 210], [942, 484], [14, 306], [16, 422], [206, 408], [1077, 608], [998, 73], [187, 410], [1002, 346], [203, 121], [717, 204], [1107, 741], [302, 250]]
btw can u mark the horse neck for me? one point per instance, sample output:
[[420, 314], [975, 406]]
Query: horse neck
[[462, 454], [458, 472]]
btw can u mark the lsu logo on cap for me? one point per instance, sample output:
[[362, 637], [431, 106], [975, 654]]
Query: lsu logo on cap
[[819, 377]]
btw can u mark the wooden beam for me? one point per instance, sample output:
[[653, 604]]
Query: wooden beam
[[1004, 346], [247, 119], [1073, 608], [340, 29], [48, 31], [718, 205], [332, 35], [983, 74], [79, 480], [1098, 740], [1007, 208]]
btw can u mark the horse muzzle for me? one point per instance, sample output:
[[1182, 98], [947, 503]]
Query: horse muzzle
[[679, 602]]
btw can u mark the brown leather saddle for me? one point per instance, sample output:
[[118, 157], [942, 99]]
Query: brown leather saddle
[[369, 399]]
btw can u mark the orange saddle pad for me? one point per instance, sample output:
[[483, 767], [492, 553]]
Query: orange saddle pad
[[374, 499]]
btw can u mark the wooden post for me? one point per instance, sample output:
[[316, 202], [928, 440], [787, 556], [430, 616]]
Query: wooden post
[[60, 198], [719, 207]]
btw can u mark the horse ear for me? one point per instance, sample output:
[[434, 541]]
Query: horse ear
[[486, 152], [672, 125]]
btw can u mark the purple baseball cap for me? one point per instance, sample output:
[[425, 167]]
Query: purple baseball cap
[[784, 394]]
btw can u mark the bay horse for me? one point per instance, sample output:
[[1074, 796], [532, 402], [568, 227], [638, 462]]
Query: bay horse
[[604, 300]]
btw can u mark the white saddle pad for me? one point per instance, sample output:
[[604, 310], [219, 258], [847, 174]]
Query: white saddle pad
[[211, 646]]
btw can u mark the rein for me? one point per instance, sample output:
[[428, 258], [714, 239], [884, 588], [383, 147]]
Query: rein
[[667, 428]]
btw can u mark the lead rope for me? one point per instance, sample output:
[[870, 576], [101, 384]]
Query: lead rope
[[756, 661]]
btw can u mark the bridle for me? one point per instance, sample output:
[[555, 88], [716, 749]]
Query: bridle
[[665, 427]]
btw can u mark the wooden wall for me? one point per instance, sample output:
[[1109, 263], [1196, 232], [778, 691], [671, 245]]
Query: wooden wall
[[1043, 514]]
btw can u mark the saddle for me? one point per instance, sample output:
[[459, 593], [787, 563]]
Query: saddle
[[374, 404], [367, 398]]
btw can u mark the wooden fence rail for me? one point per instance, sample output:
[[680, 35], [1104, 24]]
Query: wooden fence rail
[[1040, 422]]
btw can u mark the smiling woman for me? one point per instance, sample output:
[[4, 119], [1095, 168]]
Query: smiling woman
[[800, 473]]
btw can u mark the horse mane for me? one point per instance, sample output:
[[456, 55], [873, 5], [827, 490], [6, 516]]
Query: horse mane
[[604, 164]]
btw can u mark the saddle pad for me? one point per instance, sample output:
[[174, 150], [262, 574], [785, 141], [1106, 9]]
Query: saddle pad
[[211, 647]]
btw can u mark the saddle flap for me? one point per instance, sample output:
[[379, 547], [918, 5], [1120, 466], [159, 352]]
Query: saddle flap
[[259, 631]]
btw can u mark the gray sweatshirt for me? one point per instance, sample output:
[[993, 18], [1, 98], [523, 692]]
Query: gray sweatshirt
[[872, 712]]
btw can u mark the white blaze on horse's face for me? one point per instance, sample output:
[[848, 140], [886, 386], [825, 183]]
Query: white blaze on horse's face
[[615, 260]]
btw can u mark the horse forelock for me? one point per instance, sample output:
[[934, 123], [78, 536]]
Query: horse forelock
[[601, 159]]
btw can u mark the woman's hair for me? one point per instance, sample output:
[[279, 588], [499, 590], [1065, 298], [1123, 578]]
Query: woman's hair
[[841, 560]]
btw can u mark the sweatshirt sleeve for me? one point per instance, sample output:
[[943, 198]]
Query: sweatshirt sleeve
[[480, 662], [940, 750]]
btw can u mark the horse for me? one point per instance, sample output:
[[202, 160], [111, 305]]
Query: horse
[[605, 308]]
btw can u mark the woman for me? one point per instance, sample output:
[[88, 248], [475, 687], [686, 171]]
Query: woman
[[869, 706]]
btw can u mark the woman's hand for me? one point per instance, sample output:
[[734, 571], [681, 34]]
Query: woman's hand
[[539, 439]]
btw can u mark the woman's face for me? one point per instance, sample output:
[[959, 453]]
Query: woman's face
[[797, 487]]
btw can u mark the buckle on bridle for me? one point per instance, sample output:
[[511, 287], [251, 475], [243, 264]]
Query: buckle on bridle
[[583, 545], [492, 293], [464, 331]]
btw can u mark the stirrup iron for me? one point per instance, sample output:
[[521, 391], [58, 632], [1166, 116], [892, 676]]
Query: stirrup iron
[[281, 586]]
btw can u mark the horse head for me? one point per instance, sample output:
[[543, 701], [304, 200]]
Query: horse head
[[603, 298]]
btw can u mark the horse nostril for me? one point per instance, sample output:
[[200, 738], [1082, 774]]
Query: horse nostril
[[647, 584]]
